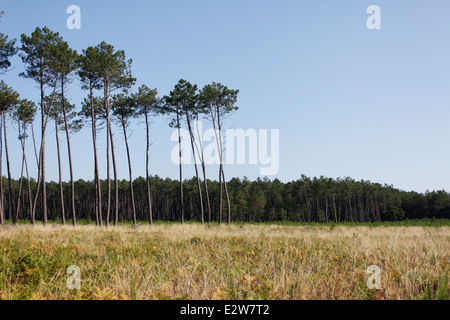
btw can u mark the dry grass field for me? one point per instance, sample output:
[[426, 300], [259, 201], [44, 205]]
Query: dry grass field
[[220, 262]]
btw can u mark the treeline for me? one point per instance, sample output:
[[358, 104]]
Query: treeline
[[304, 200]]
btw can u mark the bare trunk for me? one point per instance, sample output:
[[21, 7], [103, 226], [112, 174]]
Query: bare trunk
[[72, 183], [147, 171], [202, 158], [213, 118], [40, 157], [63, 216], [96, 173], [116, 181], [220, 194], [29, 190], [108, 141], [22, 140], [221, 166], [195, 166], [227, 196], [42, 153], [208, 202], [34, 144], [181, 174], [129, 169], [11, 200]]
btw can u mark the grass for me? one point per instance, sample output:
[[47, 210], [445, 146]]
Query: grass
[[427, 222], [241, 261]]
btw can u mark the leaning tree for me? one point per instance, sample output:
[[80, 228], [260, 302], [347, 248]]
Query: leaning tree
[[102, 67], [114, 72], [218, 102], [24, 114], [180, 102]]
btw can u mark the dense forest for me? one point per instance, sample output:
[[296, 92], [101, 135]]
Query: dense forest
[[106, 76], [304, 200]]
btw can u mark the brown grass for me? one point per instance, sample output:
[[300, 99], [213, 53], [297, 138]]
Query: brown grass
[[237, 262]]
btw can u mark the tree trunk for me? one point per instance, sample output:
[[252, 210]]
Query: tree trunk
[[181, 174], [11, 199], [131, 176], [221, 167], [29, 188], [42, 153], [195, 166], [220, 194], [72, 183], [22, 142], [63, 216], [116, 181], [212, 112], [44, 127], [208, 203], [149, 197], [227, 196], [96, 171], [108, 141]]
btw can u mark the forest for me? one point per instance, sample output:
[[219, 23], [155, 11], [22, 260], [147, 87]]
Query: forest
[[105, 74], [304, 200]]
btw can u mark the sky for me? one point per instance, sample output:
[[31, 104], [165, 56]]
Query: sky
[[347, 101]]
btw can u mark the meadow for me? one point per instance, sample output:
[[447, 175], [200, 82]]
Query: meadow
[[241, 261]]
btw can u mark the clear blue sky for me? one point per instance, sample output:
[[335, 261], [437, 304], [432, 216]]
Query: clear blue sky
[[369, 104]]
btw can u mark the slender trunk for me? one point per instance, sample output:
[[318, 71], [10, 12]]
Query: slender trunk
[[147, 170], [208, 202], [96, 171], [29, 190], [42, 152], [11, 200], [195, 166], [40, 157], [34, 144], [72, 183], [61, 192], [33, 221], [116, 181], [97, 222], [220, 194], [213, 118], [22, 142], [228, 198], [202, 158], [181, 174], [129, 169], [221, 166], [108, 141]]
